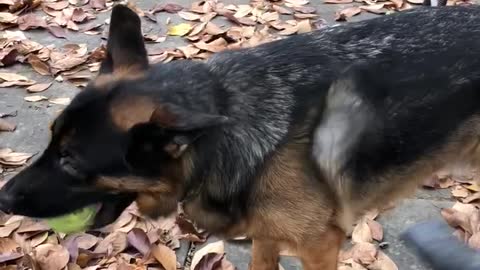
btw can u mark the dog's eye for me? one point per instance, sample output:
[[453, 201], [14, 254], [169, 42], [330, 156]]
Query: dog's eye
[[68, 164]]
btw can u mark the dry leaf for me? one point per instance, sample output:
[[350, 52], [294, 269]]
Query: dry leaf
[[38, 65], [361, 232], [473, 186], [7, 229], [349, 12], [216, 247], [304, 26], [474, 241], [472, 198], [86, 241], [12, 77], [35, 98], [165, 256], [113, 244], [375, 8], [376, 229], [364, 253], [170, 8], [210, 261], [30, 225], [213, 29], [296, 3], [455, 218], [282, 10], [189, 16], [6, 126], [38, 239], [40, 87], [60, 5], [306, 10], [139, 240], [10, 158], [6, 17], [242, 11], [179, 29], [51, 256], [31, 21], [217, 45], [383, 262], [8, 56], [57, 31], [460, 192]]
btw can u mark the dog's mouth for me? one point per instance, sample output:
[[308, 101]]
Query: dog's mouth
[[109, 210]]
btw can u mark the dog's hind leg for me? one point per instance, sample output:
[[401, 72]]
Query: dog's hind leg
[[322, 253], [265, 255]]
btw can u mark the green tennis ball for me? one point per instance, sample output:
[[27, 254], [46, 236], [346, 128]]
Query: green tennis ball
[[77, 221]]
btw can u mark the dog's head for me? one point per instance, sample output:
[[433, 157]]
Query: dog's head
[[119, 140]]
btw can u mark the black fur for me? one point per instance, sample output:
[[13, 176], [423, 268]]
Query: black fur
[[259, 99]]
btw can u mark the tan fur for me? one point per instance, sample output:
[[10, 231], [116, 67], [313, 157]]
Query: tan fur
[[127, 113], [124, 73], [461, 148]]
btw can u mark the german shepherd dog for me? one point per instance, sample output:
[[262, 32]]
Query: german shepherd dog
[[287, 143]]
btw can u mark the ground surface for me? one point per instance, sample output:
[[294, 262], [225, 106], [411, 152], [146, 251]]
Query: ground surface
[[32, 135]]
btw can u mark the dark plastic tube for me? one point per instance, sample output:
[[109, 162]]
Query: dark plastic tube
[[436, 246]]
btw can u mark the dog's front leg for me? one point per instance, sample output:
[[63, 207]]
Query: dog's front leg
[[265, 255]]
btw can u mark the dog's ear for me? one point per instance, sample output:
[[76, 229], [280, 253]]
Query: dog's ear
[[125, 46], [174, 117]]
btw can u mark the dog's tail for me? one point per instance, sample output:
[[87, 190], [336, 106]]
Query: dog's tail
[[348, 113]]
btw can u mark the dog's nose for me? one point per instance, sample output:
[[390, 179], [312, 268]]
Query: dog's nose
[[6, 202]]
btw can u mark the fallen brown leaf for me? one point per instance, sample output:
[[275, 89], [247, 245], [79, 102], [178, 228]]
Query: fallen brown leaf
[[8, 56], [364, 253], [216, 247], [383, 262], [306, 10], [361, 232], [51, 256], [31, 21], [38, 239], [456, 218], [189, 16], [376, 229], [38, 65], [14, 159], [169, 7], [460, 192], [6, 17], [35, 98], [296, 3], [98, 4], [375, 8], [474, 241], [113, 244], [211, 261], [139, 240], [29, 225], [57, 31], [6, 230], [165, 256], [282, 10], [349, 12], [60, 5], [217, 45], [472, 198], [6, 125], [40, 87]]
